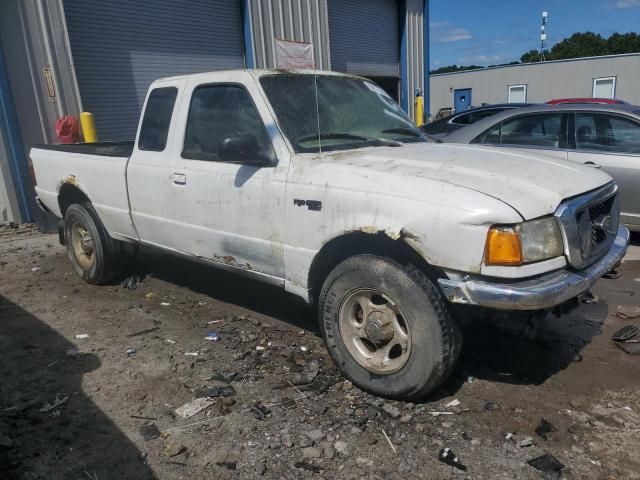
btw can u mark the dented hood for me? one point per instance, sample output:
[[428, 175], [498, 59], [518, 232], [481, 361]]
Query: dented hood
[[534, 185]]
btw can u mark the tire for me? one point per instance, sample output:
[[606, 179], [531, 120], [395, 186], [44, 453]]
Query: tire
[[428, 339], [98, 259]]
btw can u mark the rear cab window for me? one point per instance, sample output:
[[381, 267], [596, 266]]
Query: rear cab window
[[157, 118]]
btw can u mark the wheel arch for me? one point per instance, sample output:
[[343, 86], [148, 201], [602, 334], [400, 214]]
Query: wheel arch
[[360, 242], [69, 193]]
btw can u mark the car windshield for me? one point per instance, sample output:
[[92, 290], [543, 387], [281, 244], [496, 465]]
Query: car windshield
[[321, 113]]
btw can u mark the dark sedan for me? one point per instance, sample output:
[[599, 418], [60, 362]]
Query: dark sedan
[[450, 124]]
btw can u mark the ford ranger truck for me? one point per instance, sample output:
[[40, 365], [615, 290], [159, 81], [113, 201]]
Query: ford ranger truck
[[319, 183]]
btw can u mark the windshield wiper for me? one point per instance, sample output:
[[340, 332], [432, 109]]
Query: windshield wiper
[[348, 136]]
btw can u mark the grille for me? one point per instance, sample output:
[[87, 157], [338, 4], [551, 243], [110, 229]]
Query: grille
[[589, 224]]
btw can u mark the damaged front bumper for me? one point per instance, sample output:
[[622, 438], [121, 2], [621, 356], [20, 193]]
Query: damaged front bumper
[[543, 291]]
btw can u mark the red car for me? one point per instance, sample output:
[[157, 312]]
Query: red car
[[606, 101]]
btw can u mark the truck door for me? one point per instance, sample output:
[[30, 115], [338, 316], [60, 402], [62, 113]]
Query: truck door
[[228, 187], [149, 180]]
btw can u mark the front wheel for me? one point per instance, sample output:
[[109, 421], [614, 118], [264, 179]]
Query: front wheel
[[387, 327], [95, 256]]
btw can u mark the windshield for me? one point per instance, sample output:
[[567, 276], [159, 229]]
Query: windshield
[[321, 113]]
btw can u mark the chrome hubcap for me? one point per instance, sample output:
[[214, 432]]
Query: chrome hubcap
[[375, 331]]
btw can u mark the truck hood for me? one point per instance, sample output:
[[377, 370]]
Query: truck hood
[[534, 185]]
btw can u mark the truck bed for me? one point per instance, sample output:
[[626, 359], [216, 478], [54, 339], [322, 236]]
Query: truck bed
[[107, 149]]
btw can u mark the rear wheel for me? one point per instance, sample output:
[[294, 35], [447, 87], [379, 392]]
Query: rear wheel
[[95, 256], [388, 327]]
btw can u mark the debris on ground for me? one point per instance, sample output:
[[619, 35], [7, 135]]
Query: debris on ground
[[491, 406], [628, 311], [194, 407], [308, 466], [630, 347], [625, 333], [80, 336], [447, 456], [131, 351], [544, 428], [212, 336], [452, 403], [224, 391], [590, 298], [549, 465], [259, 411], [132, 282], [47, 407], [143, 332], [149, 431]]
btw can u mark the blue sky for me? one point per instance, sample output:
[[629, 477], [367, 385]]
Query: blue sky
[[486, 32]]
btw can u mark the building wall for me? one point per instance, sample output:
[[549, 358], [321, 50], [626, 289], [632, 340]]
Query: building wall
[[545, 81], [296, 20]]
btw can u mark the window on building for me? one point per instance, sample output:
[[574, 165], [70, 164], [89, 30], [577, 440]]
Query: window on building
[[517, 93], [599, 132], [539, 130], [604, 87], [216, 113], [156, 120]]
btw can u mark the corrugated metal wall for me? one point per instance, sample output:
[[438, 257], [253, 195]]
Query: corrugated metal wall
[[120, 47], [364, 37], [414, 26], [297, 20]]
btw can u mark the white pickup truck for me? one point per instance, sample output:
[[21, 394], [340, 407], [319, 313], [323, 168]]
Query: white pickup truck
[[319, 183]]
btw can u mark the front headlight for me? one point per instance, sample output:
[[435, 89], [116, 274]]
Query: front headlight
[[526, 242]]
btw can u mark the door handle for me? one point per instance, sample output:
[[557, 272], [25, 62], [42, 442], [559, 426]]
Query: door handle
[[593, 164], [179, 178]]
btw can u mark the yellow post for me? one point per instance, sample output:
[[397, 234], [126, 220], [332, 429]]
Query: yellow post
[[88, 127], [419, 110]]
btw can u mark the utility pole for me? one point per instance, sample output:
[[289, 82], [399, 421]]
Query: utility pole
[[543, 35]]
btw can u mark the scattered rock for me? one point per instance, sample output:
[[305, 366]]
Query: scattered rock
[[308, 466], [491, 406], [406, 418], [544, 428], [315, 435], [261, 468], [391, 410], [342, 448], [404, 467], [329, 453], [306, 442], [312, 452]]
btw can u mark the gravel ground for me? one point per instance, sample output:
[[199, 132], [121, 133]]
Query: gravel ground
[[77, 403]]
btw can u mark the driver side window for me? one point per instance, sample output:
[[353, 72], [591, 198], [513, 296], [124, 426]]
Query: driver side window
[[216, 114]]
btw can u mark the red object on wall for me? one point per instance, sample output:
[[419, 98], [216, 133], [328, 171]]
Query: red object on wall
[[68, 129]]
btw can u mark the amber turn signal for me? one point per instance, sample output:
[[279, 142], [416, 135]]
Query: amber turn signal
[[503, 247]]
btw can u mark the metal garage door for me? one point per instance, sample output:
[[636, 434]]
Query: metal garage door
[[120, 46], [363, 37]]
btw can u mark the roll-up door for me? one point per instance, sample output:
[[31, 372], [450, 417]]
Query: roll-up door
[[120, 46], [364, 37]]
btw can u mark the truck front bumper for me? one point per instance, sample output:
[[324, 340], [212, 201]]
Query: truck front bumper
[[543, 291]]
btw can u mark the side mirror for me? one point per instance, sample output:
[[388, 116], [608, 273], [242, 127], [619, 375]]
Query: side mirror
[[240, 149]]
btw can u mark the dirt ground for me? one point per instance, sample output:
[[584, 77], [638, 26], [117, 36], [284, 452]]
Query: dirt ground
[[84, 408]]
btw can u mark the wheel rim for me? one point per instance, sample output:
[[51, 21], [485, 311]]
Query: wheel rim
[[375, 331], [82, 245]]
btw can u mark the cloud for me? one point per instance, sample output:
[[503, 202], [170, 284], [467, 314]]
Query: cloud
[[482, 59], [627, 4], [444, 32], [455, 35]]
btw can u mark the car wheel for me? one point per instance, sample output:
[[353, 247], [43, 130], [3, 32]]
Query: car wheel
[[95, 256], [387, 327]]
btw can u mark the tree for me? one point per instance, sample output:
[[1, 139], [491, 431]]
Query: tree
[[530, 57], [587, 44], [454, 68], [623, 43]]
